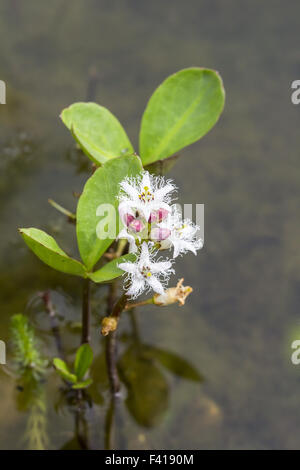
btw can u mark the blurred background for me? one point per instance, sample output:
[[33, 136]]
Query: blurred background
[[216, 373]]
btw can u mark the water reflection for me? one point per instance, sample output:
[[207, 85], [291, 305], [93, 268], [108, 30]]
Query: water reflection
[[145, 391], [79, 405], [144, 378]]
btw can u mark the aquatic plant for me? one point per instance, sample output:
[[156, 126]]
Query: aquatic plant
[[27, 359], [126, 216], [30, 369], [82, 363]]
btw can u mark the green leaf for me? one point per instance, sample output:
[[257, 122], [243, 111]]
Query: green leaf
[[46, 248], [97, 131], [80, 385], [110, 270], [102, 188], [180, 111], [162, 167], [83, 360], [63, 370]]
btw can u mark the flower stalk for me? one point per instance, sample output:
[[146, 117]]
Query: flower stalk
[[62, 210], [86, 311], [110, 323]]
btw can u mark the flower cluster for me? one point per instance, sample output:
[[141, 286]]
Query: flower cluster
[[152, 223]]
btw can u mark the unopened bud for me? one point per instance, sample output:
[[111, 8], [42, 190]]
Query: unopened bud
[[158, 215], [160, 234], [137, 225], [128, 218], [173, 295], [108, 325]]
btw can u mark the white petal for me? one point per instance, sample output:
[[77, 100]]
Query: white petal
[[136, 288], [200, 244], [128, 267], [145, 255], [155, 284], [177, 248], [126, 207], [161, 266], [165, 244], [158, 204], [129, 189], [163, 191], [189, 246], [189, 231], [182, 246], [124, 234], [132, 242], [146, 180], [132, 246]]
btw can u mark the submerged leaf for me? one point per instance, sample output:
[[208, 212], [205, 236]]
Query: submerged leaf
[[148, 392], [174, 363], [83, 360], [63, 370], [82, 385], [27, 358]]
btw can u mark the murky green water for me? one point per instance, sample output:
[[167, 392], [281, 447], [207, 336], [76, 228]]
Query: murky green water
[[236, 327]]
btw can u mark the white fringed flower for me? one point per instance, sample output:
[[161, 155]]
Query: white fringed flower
[[145, 274], [152, 223], [132, 240], [145, 194], [183, 234], [133, 233]]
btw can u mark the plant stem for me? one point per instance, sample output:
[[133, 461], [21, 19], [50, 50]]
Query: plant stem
[[61, 209], [111, 340], [139, 304], [111, 360], [86, 311], [119, 306], [121, 247], [111, 298]]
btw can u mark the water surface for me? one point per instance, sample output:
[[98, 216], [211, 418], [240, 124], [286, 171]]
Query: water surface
[[236, 326]]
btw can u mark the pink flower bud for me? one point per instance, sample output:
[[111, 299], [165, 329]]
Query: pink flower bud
[[128, 218], [136, 225], [158, 216], [162, 214], [153, 217], [160, 234]]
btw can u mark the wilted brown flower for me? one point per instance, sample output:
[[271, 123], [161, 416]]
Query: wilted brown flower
[[173, 295], [108, 325]]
